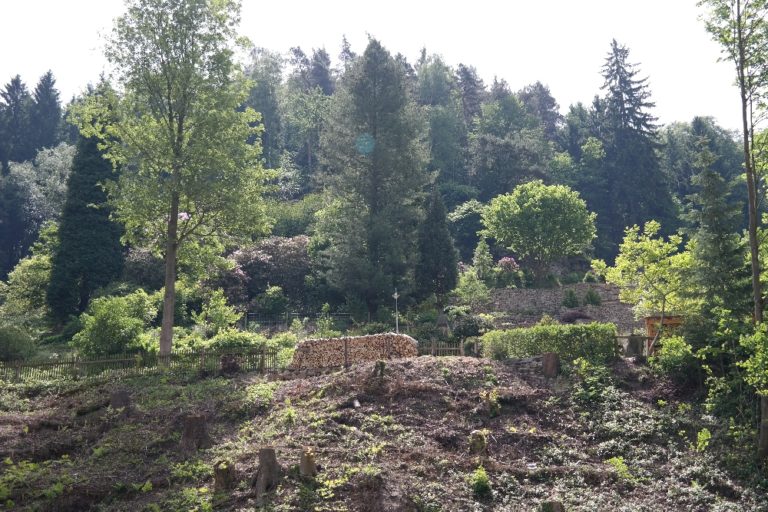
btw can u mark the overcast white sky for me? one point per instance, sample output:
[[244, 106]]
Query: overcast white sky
[[561, 43]]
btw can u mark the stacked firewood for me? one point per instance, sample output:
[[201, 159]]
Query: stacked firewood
[[329, 352]]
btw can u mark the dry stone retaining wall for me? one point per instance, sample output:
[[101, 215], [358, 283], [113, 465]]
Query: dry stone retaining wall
[[522, 307], [329, 352]]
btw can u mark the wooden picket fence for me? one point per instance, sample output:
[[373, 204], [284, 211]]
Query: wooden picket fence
[[264, 360]]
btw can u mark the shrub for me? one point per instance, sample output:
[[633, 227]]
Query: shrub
[[480, 483], [592, 297], [232, 338], [216, 314], [112, 326], [595, 341], [471, 290], [272, 302], [675, 358], [15, 343], [570, 300]]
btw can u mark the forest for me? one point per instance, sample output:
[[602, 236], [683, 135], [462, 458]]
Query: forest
[[188, 194]]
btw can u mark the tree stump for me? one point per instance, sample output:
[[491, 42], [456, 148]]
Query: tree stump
[[551, 506], [268, 474], [195, 434], [550, 364], [224, 476], [119, 399], [307, 465]]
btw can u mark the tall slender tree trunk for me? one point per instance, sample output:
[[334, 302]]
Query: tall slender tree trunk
[[757, 295], [169, 297]]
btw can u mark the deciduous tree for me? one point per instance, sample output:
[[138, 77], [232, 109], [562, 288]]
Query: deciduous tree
[[191, 179]]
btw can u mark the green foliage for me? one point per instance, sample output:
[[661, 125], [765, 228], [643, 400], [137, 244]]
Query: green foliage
[[480, 483], [482, 262], [233, 338], [703, 437], [756, 366], [198, 181], [650, 271], [593, 381], [518, 220], [436, 269], [471, 290], [594, 342], [570, 300], [465, 222], [113, 325], [216, 314], [621, 468], [86, 259], [272, 302], [375, 156], [592, 297], [675, 358], [15, 343]]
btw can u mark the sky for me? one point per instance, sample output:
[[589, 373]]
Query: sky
[[561, 43]]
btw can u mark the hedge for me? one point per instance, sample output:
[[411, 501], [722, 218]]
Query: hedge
[[595, 342]]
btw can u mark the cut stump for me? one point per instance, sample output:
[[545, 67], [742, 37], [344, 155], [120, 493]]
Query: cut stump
[[195, 434], [268, 474]]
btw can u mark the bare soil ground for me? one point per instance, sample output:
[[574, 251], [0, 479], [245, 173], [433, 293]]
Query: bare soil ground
[[617, 440]]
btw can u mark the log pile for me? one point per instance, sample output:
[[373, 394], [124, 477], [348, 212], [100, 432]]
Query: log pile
[[330, 352]]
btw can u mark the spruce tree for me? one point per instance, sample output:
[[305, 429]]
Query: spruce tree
[[437, 267], [46, 113], [18, 145], [89, 254], [376, 177], [720, 271], [637, 189]]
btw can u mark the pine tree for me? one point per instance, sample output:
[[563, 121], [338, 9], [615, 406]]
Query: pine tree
[[437, 268], [89, 254], [376, 176], [46, 113]]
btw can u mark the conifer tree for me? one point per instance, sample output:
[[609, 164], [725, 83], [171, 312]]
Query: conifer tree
[[637, 190], [46, 113], [437, 267], [376, 176], [89, 254]]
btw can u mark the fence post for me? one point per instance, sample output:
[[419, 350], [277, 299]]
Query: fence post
[[432, 348], [202, 359], [18, 371], [262, 359]]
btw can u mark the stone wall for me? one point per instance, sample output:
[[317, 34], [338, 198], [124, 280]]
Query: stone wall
[[330, 352], [524, 307]]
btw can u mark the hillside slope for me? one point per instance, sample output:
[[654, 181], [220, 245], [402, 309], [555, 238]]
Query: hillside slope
[[399, 442]]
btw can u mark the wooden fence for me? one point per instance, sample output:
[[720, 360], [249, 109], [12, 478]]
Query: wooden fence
[[440, 348], [180, 362]]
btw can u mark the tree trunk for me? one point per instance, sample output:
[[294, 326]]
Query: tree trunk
[[749, 168], [169, 297]]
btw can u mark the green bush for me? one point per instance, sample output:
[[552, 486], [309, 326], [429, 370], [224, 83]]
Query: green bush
[[480, 483], [232, 338], [592, 298], [15, 343], [595, 342], [570, 300], [109, 328], [675, 358]]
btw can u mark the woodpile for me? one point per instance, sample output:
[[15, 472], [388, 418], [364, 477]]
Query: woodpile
[[330, 352]]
